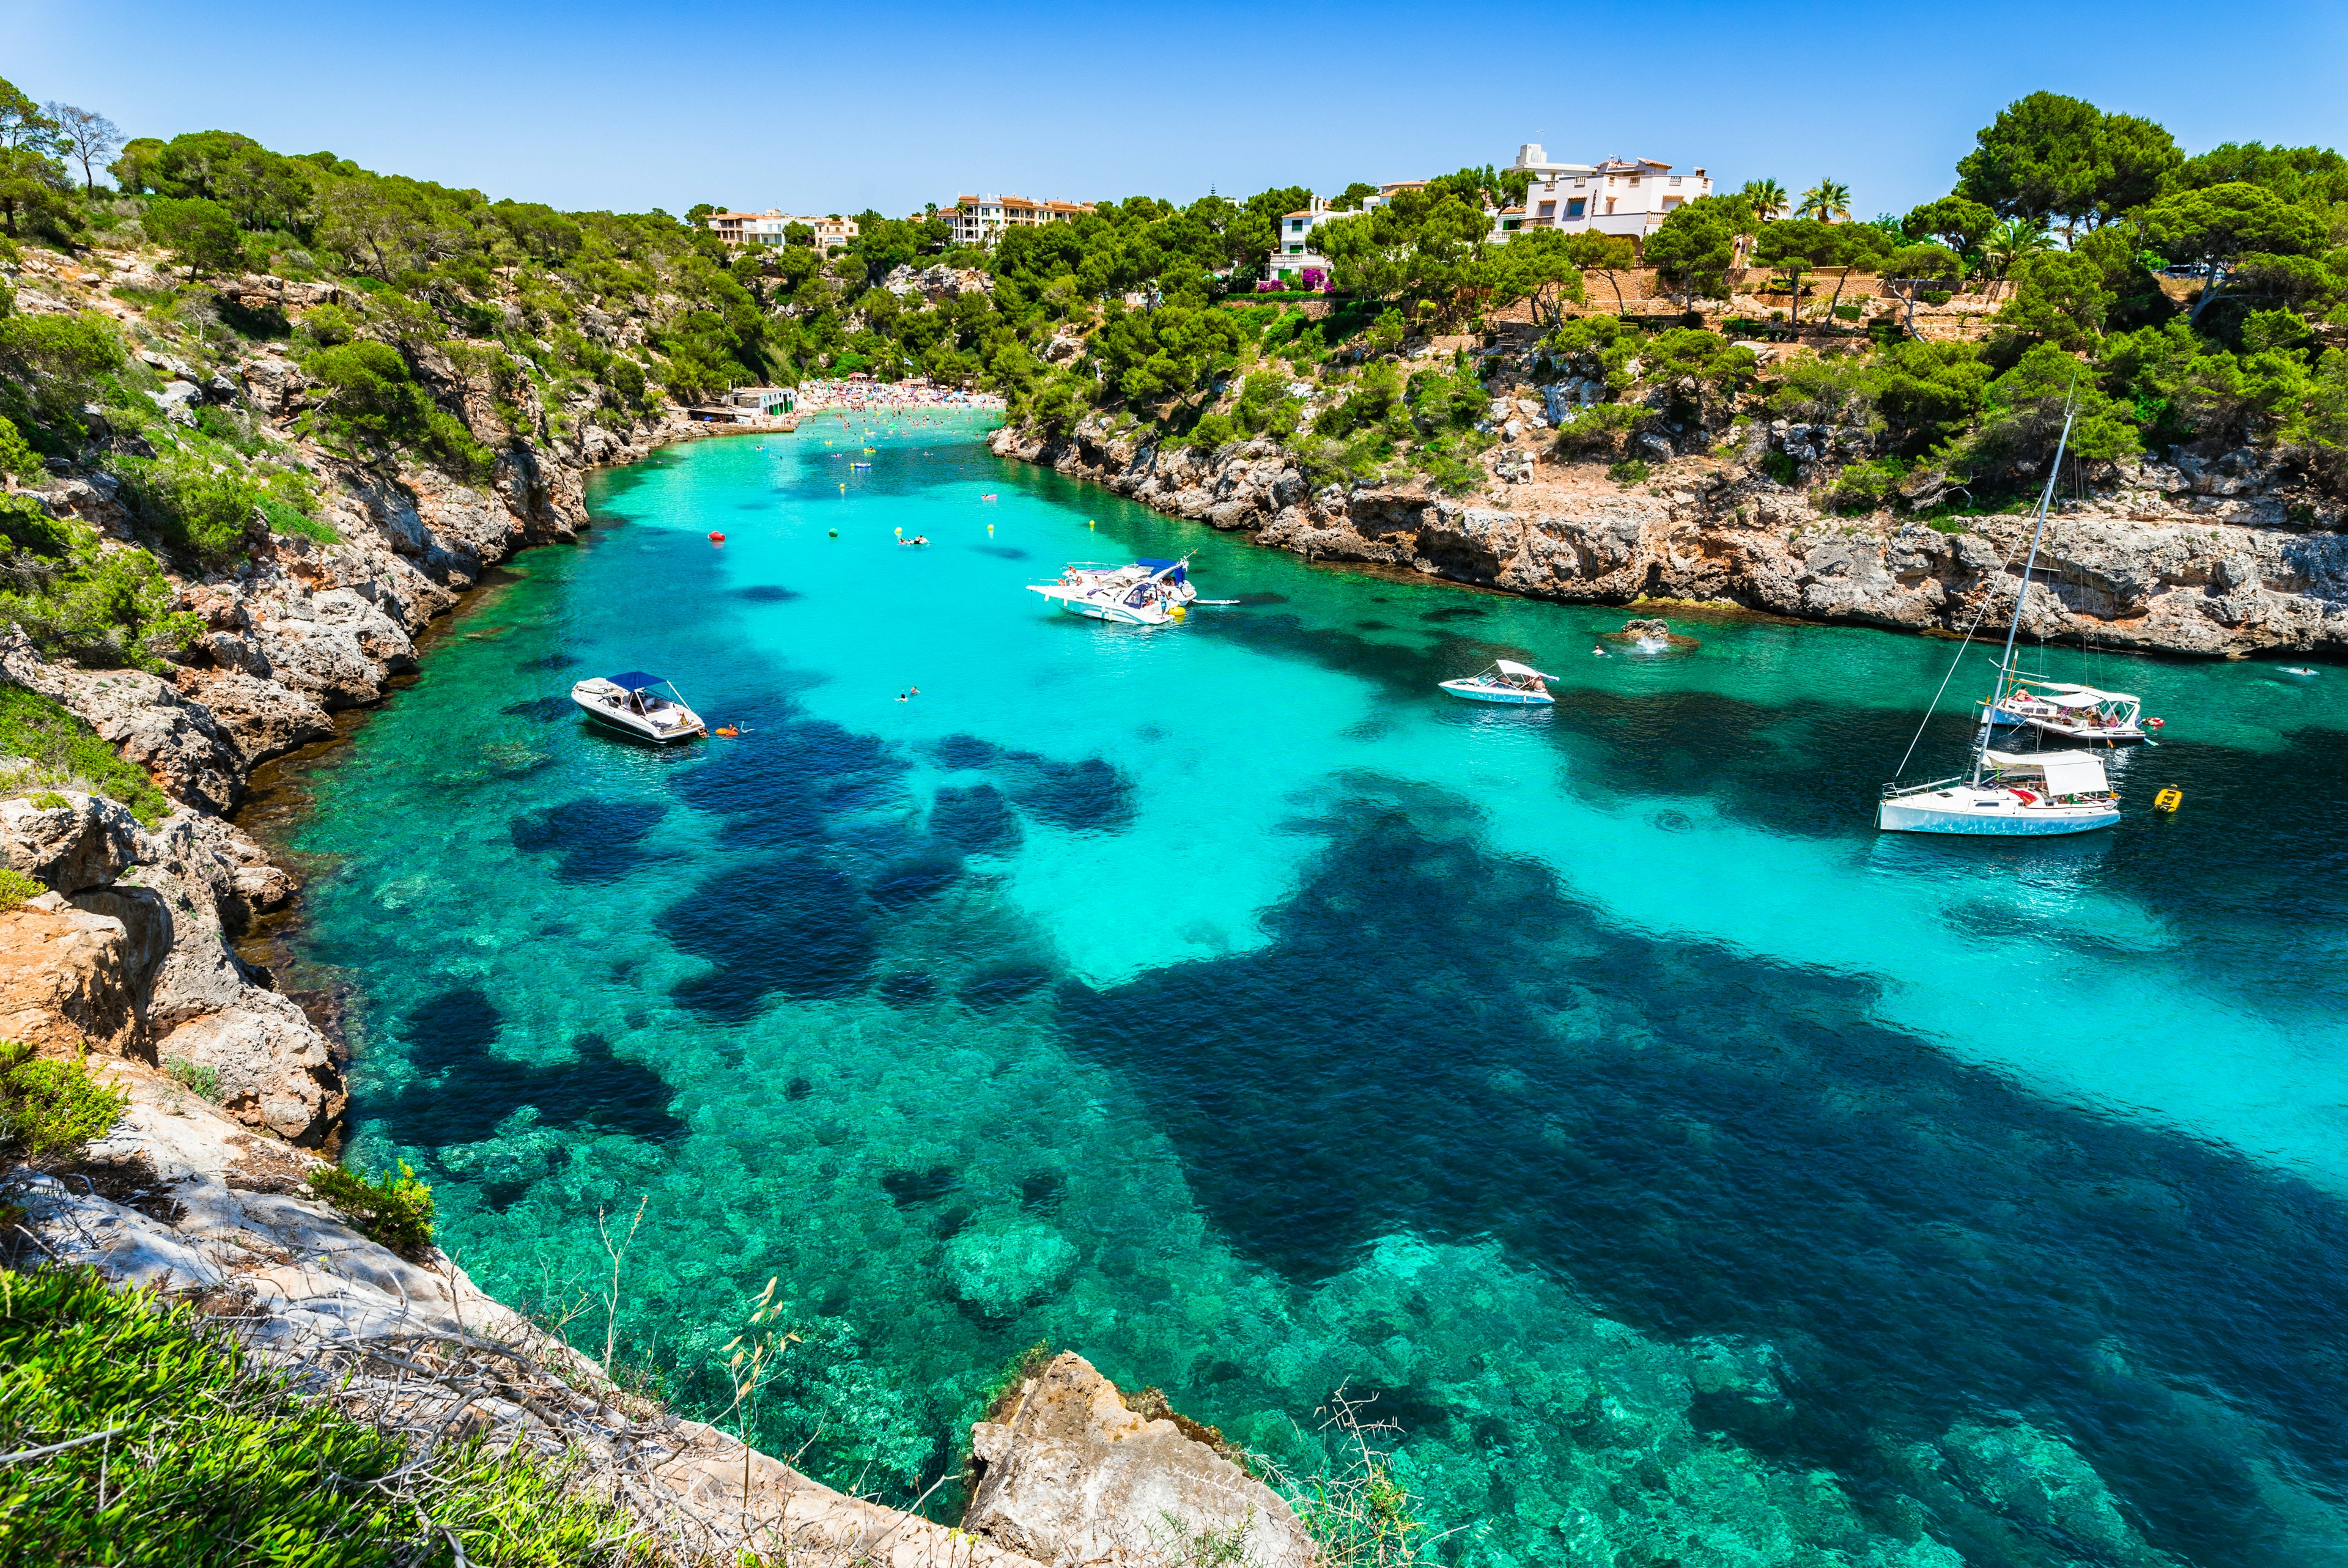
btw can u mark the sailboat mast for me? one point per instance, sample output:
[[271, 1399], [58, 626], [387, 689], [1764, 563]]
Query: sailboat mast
[[2022, 595]]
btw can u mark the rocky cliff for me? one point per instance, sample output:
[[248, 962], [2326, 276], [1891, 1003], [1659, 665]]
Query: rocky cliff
[[2200, 558], [129, 952]]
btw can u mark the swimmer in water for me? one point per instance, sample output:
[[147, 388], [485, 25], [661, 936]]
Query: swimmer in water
[[1597, 652]]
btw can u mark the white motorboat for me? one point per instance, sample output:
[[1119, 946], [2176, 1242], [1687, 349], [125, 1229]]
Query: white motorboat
[[2073, 711], [1506, 682], [2012, 792], [2007, 793], [1144, 593], [632, 701]]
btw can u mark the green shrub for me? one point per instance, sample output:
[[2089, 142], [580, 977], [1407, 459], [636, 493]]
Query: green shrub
[[16, 887], [64, 750], [195, 1076], [1597, 429], [1865, 486], [1781, 466], [393, 1209], [1632, 472], [106, 609], [199, 512], [1936, 296], [1849, 312], [50, 1109], [371, 400], [215, 1464], [50, 800]]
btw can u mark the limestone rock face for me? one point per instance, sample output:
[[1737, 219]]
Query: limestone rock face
[[64, 979], [1071, 1476], [2198, 558], [276, 1070], [84, 843]]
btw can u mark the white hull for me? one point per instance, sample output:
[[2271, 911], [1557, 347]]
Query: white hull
[[1077, 602], [2106, 734], [664, 724], [1987, 811], [1479, 691]]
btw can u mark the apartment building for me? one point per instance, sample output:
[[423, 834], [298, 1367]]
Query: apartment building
[[977, 220], [767, 228], [1629, 197]]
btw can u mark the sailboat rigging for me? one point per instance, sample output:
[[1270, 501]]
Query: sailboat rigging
[[2006, 794]]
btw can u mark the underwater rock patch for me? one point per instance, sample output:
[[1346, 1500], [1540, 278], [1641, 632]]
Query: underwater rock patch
[[594, 840], [1002, 1270], [976, 820]]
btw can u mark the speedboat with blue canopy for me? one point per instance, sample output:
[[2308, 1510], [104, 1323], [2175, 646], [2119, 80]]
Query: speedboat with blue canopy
[[1146, 592], [1506, 682], [642, 705]]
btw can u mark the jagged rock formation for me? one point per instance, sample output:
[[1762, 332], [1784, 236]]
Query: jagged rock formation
[[1072, 1474], [2157, 559]]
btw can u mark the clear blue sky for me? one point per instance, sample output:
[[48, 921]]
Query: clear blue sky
[[603, 104]]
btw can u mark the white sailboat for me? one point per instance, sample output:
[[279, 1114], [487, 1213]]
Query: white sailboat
[[2008, 794]]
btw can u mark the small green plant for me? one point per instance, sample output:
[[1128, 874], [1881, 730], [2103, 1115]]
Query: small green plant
[[1948, 525], [16, 887], [63, 749], [999, 1393], [197, 1078], [1849, 312], [1358, 1514], [1634, 471], [1781, 467], [154, 1439], [393, 1208], [1936, 296], [50, 800], [50, 1109]]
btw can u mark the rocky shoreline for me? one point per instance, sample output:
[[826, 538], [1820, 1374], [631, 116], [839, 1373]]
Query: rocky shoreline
[[236, 1093], [2206, 563]]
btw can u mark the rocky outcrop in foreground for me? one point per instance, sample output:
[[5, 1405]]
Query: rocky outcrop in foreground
[[2157, 559], [1072, 1473]]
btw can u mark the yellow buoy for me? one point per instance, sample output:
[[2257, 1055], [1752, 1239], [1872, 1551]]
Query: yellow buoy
[[1177, 613], [2169, 799]]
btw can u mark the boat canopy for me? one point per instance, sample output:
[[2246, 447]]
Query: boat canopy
[[1172, 571], [2066, 773], [2068, 699], [633, 681], [2069, 695], [1510, 667]]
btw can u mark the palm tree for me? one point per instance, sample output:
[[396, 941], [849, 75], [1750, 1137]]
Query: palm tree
[[2013, 239], [1826, 201], [1767, 197]]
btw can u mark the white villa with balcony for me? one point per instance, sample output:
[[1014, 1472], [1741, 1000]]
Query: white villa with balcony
[[767, 227], [1628, 197], [978, 220]]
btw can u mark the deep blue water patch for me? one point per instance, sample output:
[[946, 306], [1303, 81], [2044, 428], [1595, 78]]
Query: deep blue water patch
[[767, 593], [542, 709], [465, 1088], [595, 841], [1722, 1146], [787, 925]]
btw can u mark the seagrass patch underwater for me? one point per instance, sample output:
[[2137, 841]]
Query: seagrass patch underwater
[[1692, 1176]]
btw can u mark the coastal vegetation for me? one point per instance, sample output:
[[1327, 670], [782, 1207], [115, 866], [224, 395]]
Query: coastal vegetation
[[141, 1431]]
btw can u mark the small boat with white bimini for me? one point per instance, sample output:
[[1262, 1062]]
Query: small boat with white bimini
[[1506, 682], [1144, 593], [632, 702], [2075, 713], [2007, 793]]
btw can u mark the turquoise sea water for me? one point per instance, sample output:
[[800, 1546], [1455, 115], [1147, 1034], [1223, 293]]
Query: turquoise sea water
[[1696, 1176]]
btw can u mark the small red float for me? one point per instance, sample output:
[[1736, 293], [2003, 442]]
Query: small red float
[[717, 539], [2154, 724]]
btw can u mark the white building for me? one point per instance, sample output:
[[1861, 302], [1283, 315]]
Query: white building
[[1293, 249], [767, 227], [1629, 197], [978, 220]]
